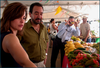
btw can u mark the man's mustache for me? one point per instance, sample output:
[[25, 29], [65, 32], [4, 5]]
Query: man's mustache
[[38, 19]]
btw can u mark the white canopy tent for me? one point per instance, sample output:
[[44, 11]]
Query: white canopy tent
[[69, 8]]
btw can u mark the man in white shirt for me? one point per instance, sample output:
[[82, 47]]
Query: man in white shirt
[[65, 32]]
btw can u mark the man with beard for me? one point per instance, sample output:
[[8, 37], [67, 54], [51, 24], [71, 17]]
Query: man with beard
[[35, 38]]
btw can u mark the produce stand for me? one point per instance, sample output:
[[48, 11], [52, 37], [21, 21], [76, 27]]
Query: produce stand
[[66, 62], [81, 54]]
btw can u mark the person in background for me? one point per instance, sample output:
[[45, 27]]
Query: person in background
[[35, 38], [85, 30], [12, 21], [65, 32], [78, 21], [53, 31]]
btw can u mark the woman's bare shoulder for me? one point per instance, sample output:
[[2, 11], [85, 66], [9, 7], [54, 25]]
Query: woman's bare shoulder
[[10, 36], [10, 39]]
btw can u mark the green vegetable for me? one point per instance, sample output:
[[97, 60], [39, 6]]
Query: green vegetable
[[89, 57], [81, 48], [83, 61], [82, 42], [89, 63], [95, 65], [86, 52]]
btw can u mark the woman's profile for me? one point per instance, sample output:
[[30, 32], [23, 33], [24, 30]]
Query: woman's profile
[[12, 21]]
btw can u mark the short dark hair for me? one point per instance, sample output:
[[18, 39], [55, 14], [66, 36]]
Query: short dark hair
[[52, 20], [34, 4], [71, 17]]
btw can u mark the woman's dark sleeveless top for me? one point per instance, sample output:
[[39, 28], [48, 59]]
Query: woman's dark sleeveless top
[[6, 58]]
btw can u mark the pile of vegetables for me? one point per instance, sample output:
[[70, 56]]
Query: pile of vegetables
[[81, 58], [97, 46], [70, 46]]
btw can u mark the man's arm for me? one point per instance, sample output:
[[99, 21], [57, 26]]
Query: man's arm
[[77, 31], [87, 36], [46, 53], [47, 40], [47, 47]]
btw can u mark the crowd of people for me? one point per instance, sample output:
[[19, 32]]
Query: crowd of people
[[26, 44]]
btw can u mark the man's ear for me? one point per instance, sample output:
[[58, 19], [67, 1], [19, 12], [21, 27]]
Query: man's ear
[[29, 14]]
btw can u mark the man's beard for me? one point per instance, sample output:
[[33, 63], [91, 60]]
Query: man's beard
[[35, 21]]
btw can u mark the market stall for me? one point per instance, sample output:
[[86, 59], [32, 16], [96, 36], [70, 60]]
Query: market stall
[[81, 54]]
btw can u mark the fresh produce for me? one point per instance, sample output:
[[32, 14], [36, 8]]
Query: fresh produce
[[78, 51], [69, 47], [92, 62], [78, 58], [87, 52], [97, 46], [82, 42], [75, 38], [81, 48], [78, 45], [78, 39]]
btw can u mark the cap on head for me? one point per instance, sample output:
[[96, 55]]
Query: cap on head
[[84, 17]]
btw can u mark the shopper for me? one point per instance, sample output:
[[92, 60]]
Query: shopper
[[35, 37], [64, 34], [53, 31], [12, 53], [78, 21]]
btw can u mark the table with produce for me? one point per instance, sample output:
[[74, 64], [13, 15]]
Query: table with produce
[[81, 54]]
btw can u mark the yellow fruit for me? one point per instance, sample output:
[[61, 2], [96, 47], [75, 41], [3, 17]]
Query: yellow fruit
[[69, 51], [72, 22], [69, 42], [65, 48], [67, 45], [71, 48], [66, 54], [78, 39], [78, 45]]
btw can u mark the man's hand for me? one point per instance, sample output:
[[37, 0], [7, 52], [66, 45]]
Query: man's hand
[[67, 23], [85, 40], [75, 24], [45, 60]]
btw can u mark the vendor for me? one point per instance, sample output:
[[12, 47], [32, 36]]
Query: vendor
[[85, 30]]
